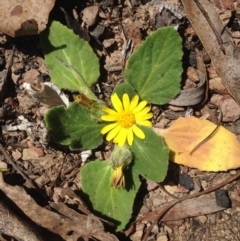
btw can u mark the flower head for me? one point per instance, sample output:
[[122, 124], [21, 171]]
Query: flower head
[[126, 118], [118, 179], [120, 158]]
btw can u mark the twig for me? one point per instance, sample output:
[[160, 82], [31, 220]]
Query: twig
[[206, 139], [9, 160], [205, 14], [58, 175]]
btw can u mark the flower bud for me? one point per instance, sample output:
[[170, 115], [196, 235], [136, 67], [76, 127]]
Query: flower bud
[[120, 158]]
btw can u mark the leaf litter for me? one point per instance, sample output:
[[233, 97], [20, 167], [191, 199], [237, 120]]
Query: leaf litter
[[49, 172]]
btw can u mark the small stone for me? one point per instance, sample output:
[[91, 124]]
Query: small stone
[[90, 15], [212, 72], [155, 229], [186, 181], [108, 42], [232, 172], [192, 74], [228, 106], [137, 235], [176, 108], [201, 219], [170, 189], [162, 238], [29, 154], [222, 198], [217, 86], [16, 155]]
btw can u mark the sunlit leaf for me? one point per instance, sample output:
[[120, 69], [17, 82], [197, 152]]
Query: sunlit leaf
[[72, 63], [113, 204], [154, 69], [150, 156]]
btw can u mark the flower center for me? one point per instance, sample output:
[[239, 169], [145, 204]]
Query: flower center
[[126, 119]]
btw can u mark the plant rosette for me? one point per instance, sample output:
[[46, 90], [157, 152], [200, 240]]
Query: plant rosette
[[152, 76]]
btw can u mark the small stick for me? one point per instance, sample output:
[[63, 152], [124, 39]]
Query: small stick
[[206, 139], [205, 14]]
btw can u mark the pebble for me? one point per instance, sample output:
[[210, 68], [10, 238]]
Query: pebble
[[162, 238], [29, 154], [201, 219], [108, 42], [90, 15], [137, 235], [192, 74], [228, 106], [16, 155], [217, 86]]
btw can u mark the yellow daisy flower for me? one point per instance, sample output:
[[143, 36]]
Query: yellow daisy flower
[[126, 117]]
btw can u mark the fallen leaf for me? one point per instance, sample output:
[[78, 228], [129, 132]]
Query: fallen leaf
[[192, 96], [218, 149], [66, 222], [187, 208], [24, 17], [226, 64]]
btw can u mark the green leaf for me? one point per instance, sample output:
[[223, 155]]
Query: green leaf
[[154, 69], [124, 88], [73, 127], [113, 204], [71, 61], [151, 156]]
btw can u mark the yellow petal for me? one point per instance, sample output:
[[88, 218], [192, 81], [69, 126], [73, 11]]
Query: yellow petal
[[144, 123], [140, 106], [109, 117], [109, 111], [126, 102], [113, 133], [130, 137], [121, 137], [144, 111], [138, 132], [134, 102], [116, 102], [143, 117], [107, 128]]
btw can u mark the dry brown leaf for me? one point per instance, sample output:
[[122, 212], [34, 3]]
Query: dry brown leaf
[[15, 227], [227, 65], [187, 208], [70, 226], [19, 18], [191, 96], [219, 149]]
